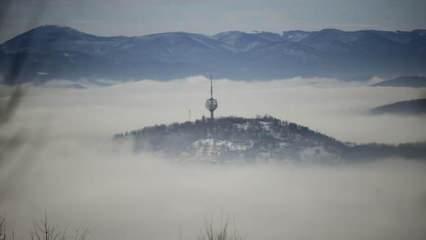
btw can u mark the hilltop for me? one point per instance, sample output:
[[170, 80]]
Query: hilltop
[[404, 81], [410, 107], [256, 139]]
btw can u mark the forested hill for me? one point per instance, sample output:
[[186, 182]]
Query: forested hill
[[253, 139]]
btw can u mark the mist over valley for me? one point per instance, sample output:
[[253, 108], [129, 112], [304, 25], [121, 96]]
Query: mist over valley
[[69, 167]]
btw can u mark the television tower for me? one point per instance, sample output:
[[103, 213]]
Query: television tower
[[211, 103]]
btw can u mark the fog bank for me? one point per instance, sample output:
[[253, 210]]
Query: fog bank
[[81, 179], [338, 109]]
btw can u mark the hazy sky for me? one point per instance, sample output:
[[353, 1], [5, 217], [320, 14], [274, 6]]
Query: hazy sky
[[137, 17]]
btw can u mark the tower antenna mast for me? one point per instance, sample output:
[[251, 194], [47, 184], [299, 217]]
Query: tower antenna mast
[[211, 103], [211, 86]]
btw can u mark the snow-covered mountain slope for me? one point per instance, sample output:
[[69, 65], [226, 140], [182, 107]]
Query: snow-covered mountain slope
[[252, 139], [65, 53], [241, 41]]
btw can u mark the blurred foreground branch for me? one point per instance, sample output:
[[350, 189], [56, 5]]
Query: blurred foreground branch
[[221, 233], [44, 230]]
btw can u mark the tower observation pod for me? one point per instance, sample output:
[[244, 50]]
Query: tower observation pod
[[211, 103]]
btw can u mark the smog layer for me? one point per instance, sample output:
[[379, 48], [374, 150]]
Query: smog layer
[[64, 164]]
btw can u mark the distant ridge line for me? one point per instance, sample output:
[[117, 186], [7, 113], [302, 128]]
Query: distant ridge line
[[66, 53]]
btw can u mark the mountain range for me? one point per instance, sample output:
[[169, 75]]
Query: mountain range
[[56, 52]]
